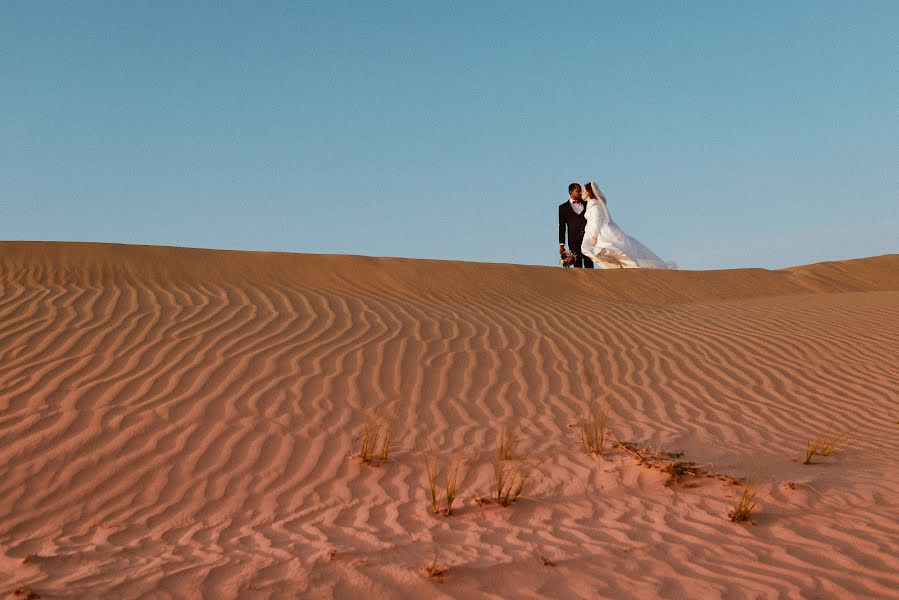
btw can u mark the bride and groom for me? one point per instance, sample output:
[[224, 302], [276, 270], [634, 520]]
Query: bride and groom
[[594, 238]]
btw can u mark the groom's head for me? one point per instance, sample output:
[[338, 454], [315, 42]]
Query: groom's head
[[574, 191]]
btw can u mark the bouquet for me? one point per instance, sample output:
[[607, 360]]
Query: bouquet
[[567, 258]]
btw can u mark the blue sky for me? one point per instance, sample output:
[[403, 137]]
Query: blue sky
[[725, 134]]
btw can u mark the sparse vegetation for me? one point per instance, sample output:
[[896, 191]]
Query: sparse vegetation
[[510, 482], [824, 446], [811, 449], [375, 431], [593, 429], [744, 505], [451, 480], [829, 446], [507, 443], [678, 470], [436, 570], [668, 463], [431, 473], [385, 445], [451, 486]]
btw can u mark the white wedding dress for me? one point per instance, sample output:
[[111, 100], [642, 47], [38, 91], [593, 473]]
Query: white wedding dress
[[608, 246]]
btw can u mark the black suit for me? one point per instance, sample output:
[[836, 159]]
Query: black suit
[[575, 224]]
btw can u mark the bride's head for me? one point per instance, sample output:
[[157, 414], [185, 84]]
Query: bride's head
[[591, 192], [585, 192]]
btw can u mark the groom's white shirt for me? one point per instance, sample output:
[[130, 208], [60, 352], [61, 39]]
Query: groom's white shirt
[[577, 206]]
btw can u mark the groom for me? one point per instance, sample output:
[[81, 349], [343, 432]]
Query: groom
[[572, 218]]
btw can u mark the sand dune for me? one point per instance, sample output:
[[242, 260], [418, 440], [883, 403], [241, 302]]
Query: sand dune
[[180, 423]]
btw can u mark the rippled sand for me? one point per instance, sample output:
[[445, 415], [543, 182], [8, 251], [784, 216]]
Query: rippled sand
[[180, 423]]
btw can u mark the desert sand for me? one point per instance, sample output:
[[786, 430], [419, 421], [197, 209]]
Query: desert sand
[[184, 423]]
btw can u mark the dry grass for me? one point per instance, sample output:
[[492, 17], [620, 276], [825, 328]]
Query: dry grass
[[452, 478], [678, 470], [383, 455], [811, 450], [669, 463], [451, 486], [592, 432], [507, 443], [510, 482], [825, 446], [431, 473], [374, 432], [436, 570], [744, 505]]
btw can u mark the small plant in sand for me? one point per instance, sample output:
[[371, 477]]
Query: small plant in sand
[[451, 482], [26, 594], [811, 449], [592, 432], [436, 570], [678, 470], [669, 463], [374, 432], [510, 482], [452, 477], [824, 446], [507, 443], [744, 505]]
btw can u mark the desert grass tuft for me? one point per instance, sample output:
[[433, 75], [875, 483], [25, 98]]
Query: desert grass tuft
[[373, 432], [835, 444], [384, 454], [811, 449], [825, 446], [669, 463], [431, 473], [593, 429], [436, 570], [507, 443], [452, 478], [451, 482], [744, 505], [678, 470], [510, 482]]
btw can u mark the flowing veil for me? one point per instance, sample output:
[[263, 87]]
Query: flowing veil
[[604, 216], [609, 235]]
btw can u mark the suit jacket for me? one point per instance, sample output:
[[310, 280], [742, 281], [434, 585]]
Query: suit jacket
[[574, 223]]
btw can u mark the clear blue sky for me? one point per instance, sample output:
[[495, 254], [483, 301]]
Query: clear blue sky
[[725, 134]]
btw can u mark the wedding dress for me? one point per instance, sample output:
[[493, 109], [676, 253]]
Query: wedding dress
[[608, 246]]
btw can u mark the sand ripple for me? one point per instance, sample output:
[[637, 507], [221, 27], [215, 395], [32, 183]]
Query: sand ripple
[[179, 423]]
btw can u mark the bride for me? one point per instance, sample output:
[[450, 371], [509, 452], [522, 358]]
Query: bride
[[606, 244]]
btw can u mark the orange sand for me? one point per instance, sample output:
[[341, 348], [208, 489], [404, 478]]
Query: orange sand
[[179, 423]]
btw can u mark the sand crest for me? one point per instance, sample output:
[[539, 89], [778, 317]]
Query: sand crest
[[181, 423]]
